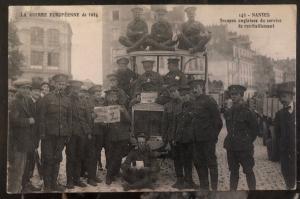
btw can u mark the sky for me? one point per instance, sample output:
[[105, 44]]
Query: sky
[[277, 43]]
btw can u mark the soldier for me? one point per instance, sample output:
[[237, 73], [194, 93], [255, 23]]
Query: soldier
[[136, 31], [286, 134], [114, 85], [183, 147], [149, 76], [55, 126], [161, 34], [185, 93], [99, 130], [21, 135], [125, 76], [118, 136], [174, 76], [146, 169], [171, 110], [242, 130], [80, 131], [45, 88], [194, 37], [32, 156], [207, 124]]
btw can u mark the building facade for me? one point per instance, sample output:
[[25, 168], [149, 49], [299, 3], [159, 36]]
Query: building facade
[[46, 46]]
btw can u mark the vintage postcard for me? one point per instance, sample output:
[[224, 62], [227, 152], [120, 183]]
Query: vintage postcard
[[151, 98]]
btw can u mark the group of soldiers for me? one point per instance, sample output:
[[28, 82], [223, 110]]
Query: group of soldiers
[[61, 115], [192, 37]]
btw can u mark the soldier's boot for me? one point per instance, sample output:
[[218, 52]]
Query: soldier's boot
[[92, 182], [125, 41], [251, 181], [28, 187], [157, 46], [108, 180], [179, 184], [79, 183], [54, 184], [203, 178], [139, 44], [234, 180], [47, 178], [214, 178], [70, 184], [97, 180]]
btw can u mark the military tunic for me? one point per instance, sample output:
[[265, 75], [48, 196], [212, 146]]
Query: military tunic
[[136, 29], [286, 133], [161, 31], [150, 76], [242, 128], [207, 124], [175, 77], [55, 126], [126, 80]]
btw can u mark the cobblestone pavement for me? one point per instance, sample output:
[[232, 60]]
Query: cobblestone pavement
[[268, 175]]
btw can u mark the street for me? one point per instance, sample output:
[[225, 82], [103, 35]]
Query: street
[[268, 175]]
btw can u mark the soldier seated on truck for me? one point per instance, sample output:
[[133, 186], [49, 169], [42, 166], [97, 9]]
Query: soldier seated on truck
[[145, 170]]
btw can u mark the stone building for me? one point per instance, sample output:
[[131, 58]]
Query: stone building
[[45, 43]]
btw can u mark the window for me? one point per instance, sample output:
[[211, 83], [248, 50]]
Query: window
[[36, 58], [53, 59], [115, 15], [53, 37], [115, 34], [37, 35]]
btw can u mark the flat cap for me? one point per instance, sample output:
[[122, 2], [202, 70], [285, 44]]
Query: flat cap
[[190, 9], [286, 87], [236, 89], [22, 83], [173, 60], [61, 77], [147, 59], [95, 88], [122, 60], [196, 82], [137, 10]]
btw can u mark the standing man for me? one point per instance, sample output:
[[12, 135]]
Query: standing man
[[242, 130], [118, 133], [174, 76], [286, 133], [149, 76], [194, 37], [21, 135], [55, 125], [137, 29], [126, 77], [114, 85], [207, 124]]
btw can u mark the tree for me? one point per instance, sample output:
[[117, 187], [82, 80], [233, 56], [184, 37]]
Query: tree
[[15, 57]]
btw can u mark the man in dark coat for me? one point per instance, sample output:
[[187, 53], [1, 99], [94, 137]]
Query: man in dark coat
[[242, 128], [136, 31], [32, 156], [207, 124], [118, 136], [126, 77], [55, 127], [194, 37], [285, 132], [174, 76], [145, 173], [80, 130], [114, 85], [21, 135], [149, 76]]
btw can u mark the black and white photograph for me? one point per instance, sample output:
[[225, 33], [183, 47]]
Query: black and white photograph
[[152, 98]]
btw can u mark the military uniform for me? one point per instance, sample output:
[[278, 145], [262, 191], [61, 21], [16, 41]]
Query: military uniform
[[150, 77], [118, 136], [207, 124], [285, 134], [136, 30], [144, 177], [242, 130], [174, 77], [183, 149], [75, 149], [55, 126], [191, 35]]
